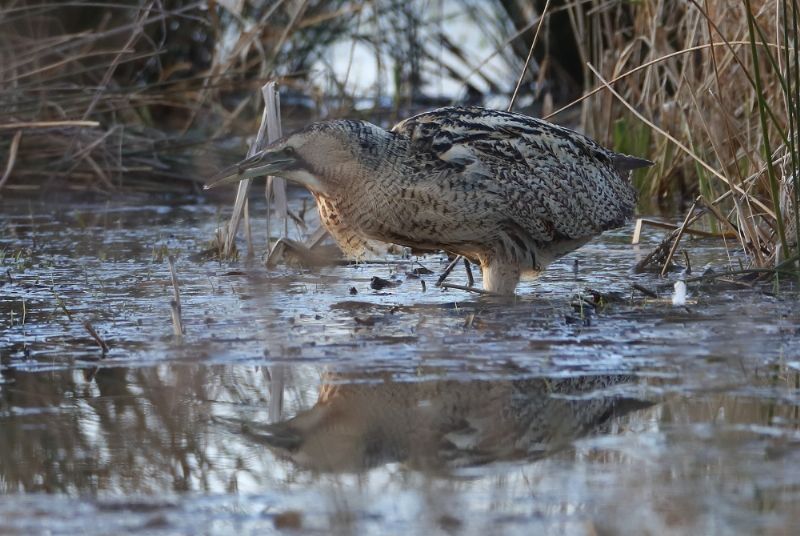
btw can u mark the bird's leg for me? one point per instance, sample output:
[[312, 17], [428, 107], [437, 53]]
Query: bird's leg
[[500, 277]]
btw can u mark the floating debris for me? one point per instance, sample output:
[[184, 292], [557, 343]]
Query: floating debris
[[378, 283], [421, 271]]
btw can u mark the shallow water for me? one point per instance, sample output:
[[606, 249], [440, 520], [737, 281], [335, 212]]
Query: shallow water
[[292, 403]]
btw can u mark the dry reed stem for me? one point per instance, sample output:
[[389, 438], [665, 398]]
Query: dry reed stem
[[138, 29], [12, 157], [28, 125], [641, 222], [270, 123], [316, 238], [719, 125], [248, 231], [642, 67], [664, 247]]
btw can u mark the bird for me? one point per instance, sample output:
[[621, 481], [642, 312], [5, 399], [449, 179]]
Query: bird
[[505, 190]]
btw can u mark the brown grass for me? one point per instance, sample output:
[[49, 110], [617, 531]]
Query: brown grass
[[694, 108]]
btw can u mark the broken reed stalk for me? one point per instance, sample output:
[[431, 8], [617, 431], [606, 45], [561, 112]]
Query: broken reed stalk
[[175, 303], [276, 186], [100, 342], [242, 191], [470, 278], [248, 231], [270, 123]]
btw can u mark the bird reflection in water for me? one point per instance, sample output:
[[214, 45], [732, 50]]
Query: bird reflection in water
[[444, 425]]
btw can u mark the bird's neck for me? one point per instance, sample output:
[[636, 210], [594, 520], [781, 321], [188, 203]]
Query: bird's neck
[[378, 157]]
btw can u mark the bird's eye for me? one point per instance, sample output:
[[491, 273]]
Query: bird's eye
[[289, 150]]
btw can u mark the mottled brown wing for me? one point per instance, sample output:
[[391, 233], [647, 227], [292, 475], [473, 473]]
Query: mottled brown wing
[[554, 182]]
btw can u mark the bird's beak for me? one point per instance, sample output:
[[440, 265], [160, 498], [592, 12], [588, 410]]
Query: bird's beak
[[270, 161]]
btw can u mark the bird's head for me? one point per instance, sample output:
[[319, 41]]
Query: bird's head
[[322, 157]]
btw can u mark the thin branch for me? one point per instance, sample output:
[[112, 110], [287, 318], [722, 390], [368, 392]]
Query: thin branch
[[530, 55]]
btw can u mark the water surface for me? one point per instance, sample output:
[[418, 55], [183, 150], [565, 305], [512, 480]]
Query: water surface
[[302, 398]]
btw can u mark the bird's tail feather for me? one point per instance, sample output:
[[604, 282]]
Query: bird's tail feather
[[625, 163]]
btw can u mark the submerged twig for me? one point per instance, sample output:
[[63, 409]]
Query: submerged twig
[[175, 303], [646, 291], [470, 277], [447, 270], [100, 342], [476, 290]]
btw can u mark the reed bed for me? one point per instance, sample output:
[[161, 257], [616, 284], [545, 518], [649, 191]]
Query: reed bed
[[709, 90], [141, 94]]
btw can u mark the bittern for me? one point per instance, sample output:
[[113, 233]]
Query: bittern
[[505, 190]]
